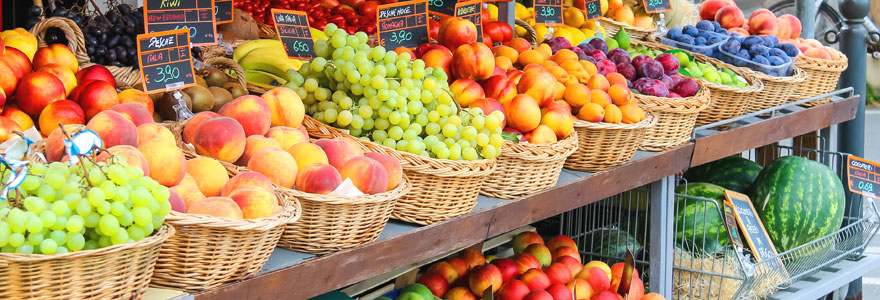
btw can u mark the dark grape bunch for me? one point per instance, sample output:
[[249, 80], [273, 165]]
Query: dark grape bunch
[[109, 36]]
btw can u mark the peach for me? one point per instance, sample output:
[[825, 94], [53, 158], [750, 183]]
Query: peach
[[540, 252], [318, 178], [739, 30], [536, 279], [513, 290], [287, 136], [253, 144], [255, 202], [189, 193], [794, 25], [435, 283], [784, 31], [392, 167], [465, 91], [558, 273], [580, 288], [15, 57], [189, 180], [565, 251], [560, 292], [535, 82], [136, 113], [473, 258], [151, 130], [337, 152], [596, 277], [166, 161], [538, 295], [522, 113], [176, 201], [559, 120], [55, 141], [209, 174], [573, 264], [543, 134], [455, 31], [523, 240], [500, 88], [96, 96], [459, 293], [353, 145], [8, 81], [114, 129], [653, 296], [484, 277], [278, 165], [473, 61], [252, 112], [189, 130], [709, 8], [306, 153], [24, 121], [223, 207], [818, 53], [508, 268], [36, 90], [503, 63], [60, 112], [248, 178], [445, 270], [7, 126], [66, 75], [132, 156], [367, 174], [623, 14], [56, 53], [728, 16], [285, 106], [222, 138], [438, 58], [95, 72], [525, 262], [763, 22], [136, 96], [489, 105]]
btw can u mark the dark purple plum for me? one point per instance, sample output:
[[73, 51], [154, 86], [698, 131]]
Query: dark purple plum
[[674, 95], [655, 88], [586, 47], [620, 59], [605, 67], [640, 83], [666, 80], [627, 70], [686, 88], [651, 69], [669, 62], [598, 55], [617, 52], [599, 44], [675, 79], [641, 59]]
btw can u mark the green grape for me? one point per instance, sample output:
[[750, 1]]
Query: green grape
[[157, 221], [60, 208], [140, 197], [4, 233], [469, 132], [455, 152], [317, 64], [402, 145], [55, 178], [96, 177], [16, 239], [96, 197], [443, 110], [394, 117], [92, 220], [416, 146], [104, 241], [38, 169], [120, 237], [60, 223], [344, 118], [142, 215], [35, 238], [365, 112], [442, 153], [136, 233], [109, 224], [58, 236], [104, 208], [492, 122], [34, 224], [414, 107], [478, 122], [429, 84], [496, 140], [75, 223], [422, 119], [410, 135], [444, 98], [482, 139], [34, 204], [47, 218], [433, 116], [361, 36], [381, 124], [449, 130], [322, 94], [127, 218], [337, 40], [330, 115], [117, 174], [379, 135], [30, 183], [25, 249], [357, 122], [390, 143], [48, 247], [311, 85], [469, 153], [47, 193], [384, 111], [368, 124], [76, 241], [395, 133]]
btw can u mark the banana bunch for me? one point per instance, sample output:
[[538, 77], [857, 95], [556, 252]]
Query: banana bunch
[[265, 62]]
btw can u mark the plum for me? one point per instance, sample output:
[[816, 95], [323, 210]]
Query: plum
[[666, 80], [641, 59], [651, 69], [790, 49], [590, 59], [586, 47], [700, 41], [598, 54], [674, 33], [617, 52], [744, 54], [640, 83], [686, 88], [627, 70], [599, 44], [722, 31], [760, 59], [777, 52], [669, 62], [686, 39], [776, 61], [691, 30], [619, 59], [557, 43], [655, 88], [717, 26], [676, 79], [731, 46], [673, 95], [770, 40], [751, 41], [580, 53], [715, 39], [705, 25], [605, 67], [759, 50]]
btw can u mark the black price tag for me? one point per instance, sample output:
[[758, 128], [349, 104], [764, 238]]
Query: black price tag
[[732, 227], [472, 11], [195, 15], [293, 30], [657, 6], [753, 229], [442, 7], [548, 11], [223, 11], [165, 60], [861, 175], [403, 24], [592, 9]]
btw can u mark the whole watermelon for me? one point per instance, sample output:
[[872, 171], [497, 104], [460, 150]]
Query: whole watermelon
[[698, 224], [798, 200], [733, 173], [612, 242]]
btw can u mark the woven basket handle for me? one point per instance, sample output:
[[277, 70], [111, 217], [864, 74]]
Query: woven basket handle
[[531, 35], [227, 63], [75, 40]]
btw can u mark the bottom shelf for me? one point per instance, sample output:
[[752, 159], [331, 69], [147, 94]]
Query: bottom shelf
[[829, 279]]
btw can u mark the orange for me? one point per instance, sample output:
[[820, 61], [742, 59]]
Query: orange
[[530, 57], [598, 82], [589, 67], [620, 94], [577, 95], [544, 48], [503, 62], [505, 51], [564, 55], [520, 44], [600, 97], [616, 78]]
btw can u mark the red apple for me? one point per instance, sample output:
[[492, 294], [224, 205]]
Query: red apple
[[509, 269], [436, 283]]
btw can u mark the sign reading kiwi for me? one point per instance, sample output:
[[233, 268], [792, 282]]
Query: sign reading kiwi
[[223, 11], [165, 60], [293, 31], [197, 16]]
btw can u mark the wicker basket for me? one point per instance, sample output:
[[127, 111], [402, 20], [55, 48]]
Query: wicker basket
[[677, 117], [823, 77], [524, 169], [208, 251], [776, 91], [126, 77], [333, 223], [224, 63], [605, 145], [115, 272], [531, 36], [635, 33], [441, 189]]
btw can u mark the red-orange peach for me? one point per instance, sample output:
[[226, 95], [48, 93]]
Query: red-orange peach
[[488, 105], [763, 22], [55, 141], [94, 72], [131, 156], [134, 112], [36, 90], [14, 56], [66, 75], [318, 178], [794, 25], [151, 130], [438, 58], [189, 193], [522, 113], [287, 136], [285, 106], [189, 130], [223, 207], [95, 97], [367, 174], [209, 174], [248, 178], [473, 61], [354, 146], [307, 153], [60, 112], [465, 91], [709, 8], [278, 165], [114, 129], [7, 126], [729, 17], [454, 32], [392, 167], [251, 111], [338, 153], [166, 161], [136, 96], [500, 88], [535, 82], [222, 138], [255, 202], [56, 53], [253, 144], [559, 120], [543, 134], [20, 117]]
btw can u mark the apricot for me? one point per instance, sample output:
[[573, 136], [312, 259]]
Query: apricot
[[576, 95], [545, 49], [520, 45], [278, 165], [612, 114], [503, 62], [559, 121], [598, 82], [600, 97], [252, 112], [255, 202], [530, 57], [589, 67], [631, 113], [306, 153], [222, 138], [591, 112], [318, 178], [506, 51], [249, 178], [209, 174], [367, 174], [620, 95], [166, 161], [253, 144], [223, 207], [615, 78], [543, 134]]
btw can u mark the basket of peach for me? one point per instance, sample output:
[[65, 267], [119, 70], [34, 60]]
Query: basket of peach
[[823, 66], [629, 15]]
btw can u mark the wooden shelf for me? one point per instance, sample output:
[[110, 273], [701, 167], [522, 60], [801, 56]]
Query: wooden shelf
[[294, 275]]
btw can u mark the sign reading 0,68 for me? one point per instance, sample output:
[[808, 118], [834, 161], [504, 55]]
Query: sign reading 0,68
[[165, 60], [862, 174]]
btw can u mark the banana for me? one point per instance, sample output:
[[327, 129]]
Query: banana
[[257, 76], [242, 50], [268, 60]]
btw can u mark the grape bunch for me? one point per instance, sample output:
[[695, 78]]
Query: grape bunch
[[67, 208], [392, 100]]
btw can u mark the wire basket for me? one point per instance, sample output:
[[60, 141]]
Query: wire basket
[[525, 168]]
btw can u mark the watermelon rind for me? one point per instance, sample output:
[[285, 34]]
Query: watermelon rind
[[734, 173], [612, 242], [699, 226]]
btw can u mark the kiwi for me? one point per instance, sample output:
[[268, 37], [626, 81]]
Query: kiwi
[[235, 89], [221, 97], [202, 98], [166, 104], [201, 81], [214, 77], [156, 96]]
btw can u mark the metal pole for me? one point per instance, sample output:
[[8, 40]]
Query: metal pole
[[661, 237], [806, 12], [851, 134]]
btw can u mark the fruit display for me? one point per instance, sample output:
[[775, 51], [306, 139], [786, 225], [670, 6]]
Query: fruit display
[[733, 173], [690, 67], [212, 91], [761, 53], [629, 12], [574, 28], [349, 15], [704, 38], [265, 62], [699, 225]]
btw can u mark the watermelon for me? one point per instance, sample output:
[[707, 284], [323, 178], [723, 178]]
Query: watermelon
[[734, 173], [798, 200], [699, 226], [612, 242]]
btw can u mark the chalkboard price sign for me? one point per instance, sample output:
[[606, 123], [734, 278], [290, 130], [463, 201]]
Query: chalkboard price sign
[[732, 227], [197, 16], [548, 11], [165, 60], [592, 9], [403, 24], [442, 7], [657, 6], [472, 11], [752, 228], [862, 175], [223, 11], [293, 30]]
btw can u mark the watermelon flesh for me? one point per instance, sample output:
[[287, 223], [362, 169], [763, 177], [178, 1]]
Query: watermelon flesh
[[699, 226], [734, 173], [798, 201]]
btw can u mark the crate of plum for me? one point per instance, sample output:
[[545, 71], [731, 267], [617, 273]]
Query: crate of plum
[[760, 53], [704, 38]]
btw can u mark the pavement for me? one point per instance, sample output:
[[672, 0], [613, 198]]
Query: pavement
[[871, 282]]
